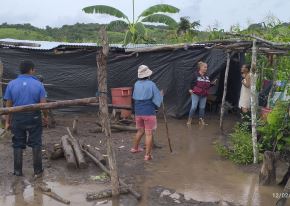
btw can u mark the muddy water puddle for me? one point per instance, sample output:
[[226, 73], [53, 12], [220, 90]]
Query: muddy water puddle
[[26, 195], [196, 170]]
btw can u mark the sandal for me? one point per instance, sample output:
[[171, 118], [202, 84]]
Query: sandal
[[147, 157], [133, 150]]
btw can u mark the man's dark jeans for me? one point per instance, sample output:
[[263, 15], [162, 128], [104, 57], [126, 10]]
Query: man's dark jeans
[[27, 130]]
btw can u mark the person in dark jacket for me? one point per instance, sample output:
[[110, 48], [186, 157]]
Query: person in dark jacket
[[26, 127], [199, 91]]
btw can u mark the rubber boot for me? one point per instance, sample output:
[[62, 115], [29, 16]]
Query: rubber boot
[[37, 161], [18, 154]]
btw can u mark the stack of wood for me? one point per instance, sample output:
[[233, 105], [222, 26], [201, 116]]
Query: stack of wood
[[71, 148]]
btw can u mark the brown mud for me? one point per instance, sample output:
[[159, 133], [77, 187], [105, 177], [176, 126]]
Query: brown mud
[[193, 169]]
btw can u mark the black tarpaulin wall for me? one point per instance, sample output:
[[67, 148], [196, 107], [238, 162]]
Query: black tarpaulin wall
[[73, 75]]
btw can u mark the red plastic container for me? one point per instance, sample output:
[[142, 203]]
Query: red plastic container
[[122, 96]]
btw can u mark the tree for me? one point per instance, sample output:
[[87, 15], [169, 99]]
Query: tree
[[185, 26], [136, 29]]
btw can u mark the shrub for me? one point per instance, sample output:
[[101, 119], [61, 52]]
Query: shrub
[[241, 147]]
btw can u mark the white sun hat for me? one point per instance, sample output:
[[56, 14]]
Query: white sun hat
[[144, 71]]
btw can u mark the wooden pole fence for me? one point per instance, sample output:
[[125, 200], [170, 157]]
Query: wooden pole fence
[[225, 90], [254, 102], [101, 58]]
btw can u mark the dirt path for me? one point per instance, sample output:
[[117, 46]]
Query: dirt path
[[194, 169]]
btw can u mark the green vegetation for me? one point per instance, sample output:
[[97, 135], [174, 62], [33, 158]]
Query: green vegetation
[[275, 131], [274, 135], [23, 34], [240, 150], [135, 29]]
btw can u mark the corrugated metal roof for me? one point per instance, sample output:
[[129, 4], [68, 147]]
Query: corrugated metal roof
[[49, 45]]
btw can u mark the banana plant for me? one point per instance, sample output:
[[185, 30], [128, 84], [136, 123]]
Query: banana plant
[[136, 32]]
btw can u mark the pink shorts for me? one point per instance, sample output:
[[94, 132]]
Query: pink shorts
[[146, 122]]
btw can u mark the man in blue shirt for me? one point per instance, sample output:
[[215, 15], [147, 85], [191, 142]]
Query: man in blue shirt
[[26, 126], [147, 98]]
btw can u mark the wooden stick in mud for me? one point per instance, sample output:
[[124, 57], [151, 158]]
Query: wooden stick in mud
[[77, 150], [95, 160], [75, 126], [68, 152], [47, 191], [225, 90], [166, 126], [55, 196], [104, 194], [95, 153]]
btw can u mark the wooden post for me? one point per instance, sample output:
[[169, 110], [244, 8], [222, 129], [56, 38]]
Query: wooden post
[[267, 174], [274, 79], [225, 90], [254, 102], [104, 112], [1, 89]]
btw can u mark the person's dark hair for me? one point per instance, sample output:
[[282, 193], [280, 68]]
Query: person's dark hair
[[26, 66], [247, 66], [143, 78]]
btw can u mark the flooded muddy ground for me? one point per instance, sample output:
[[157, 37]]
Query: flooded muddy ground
[[193, 169]]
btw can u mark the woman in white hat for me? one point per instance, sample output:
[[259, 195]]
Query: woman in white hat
[[147, 98]]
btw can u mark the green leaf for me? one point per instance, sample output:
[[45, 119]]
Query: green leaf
[[159, 8], [160, 18], [116, 24], [103, 9], [128, 38], [140, 29]]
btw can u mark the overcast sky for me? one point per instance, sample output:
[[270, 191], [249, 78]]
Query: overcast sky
[[56, 13]]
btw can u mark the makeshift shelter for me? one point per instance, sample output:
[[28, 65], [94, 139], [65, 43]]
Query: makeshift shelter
[[71, 68]]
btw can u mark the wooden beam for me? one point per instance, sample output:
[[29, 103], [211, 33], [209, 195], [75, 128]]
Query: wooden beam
[[274, 44], [102, 57], [91, 101], [50, 105], [254, 102], [225, 90]]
